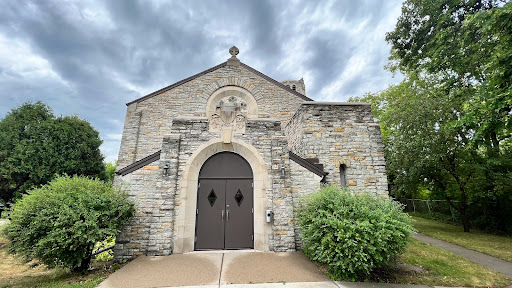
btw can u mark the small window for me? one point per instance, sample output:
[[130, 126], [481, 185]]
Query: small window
[[343, 176], [294, 87]]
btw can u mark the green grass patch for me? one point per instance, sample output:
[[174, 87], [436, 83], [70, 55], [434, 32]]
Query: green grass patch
[[424, 264], [445, 268], [494, 245], [14, 273]]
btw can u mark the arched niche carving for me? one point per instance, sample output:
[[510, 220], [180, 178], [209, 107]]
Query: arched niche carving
[[224, 94]]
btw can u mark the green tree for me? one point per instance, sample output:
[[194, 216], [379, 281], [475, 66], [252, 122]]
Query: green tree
[[35, 146], [110, 172], [59, 223], [448, 124], [423, 148], [466, 44]]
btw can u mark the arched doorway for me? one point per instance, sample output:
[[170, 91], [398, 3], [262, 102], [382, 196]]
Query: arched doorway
[[224, 215]]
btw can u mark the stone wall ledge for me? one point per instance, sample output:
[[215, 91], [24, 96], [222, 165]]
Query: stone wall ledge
[[190, 118], [335, 103], [263, 120]]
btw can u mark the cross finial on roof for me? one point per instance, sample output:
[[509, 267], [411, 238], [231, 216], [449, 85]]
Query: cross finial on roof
[[233, 61], [233, 51]]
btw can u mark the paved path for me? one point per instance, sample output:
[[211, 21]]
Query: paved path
[[250, 269], [485, 260], [216, 269]]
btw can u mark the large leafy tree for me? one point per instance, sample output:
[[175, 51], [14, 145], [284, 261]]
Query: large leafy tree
[[466, 44], [423, 148], [447, 126], [35, 146]]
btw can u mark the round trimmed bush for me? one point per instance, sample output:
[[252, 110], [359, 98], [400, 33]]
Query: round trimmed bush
[[59, 223], [352, 234]]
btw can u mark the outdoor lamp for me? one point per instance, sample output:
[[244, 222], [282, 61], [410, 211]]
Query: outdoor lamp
[[166, 168]]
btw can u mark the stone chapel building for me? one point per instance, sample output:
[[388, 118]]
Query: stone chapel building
[[219, 161]]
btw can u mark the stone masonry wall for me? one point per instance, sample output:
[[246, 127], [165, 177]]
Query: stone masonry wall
[[294, 130], [266, 136], [150, 232], [304, 182], [157, 196], [341, 133], [148, 121]]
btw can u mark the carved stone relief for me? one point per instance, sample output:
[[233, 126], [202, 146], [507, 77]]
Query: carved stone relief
[[230, 116]]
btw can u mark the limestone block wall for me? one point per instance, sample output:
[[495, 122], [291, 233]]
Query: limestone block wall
[[149, 120], [294, 130], [281, 199], [160, 202], [150, 232], [267, 138], [341, 133], [304, 182]]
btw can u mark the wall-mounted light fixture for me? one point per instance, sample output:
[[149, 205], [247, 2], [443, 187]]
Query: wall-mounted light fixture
[[282, 170], [166, 168]]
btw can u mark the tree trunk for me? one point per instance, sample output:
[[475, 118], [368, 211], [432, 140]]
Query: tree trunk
[[85, 262], [465, 220]]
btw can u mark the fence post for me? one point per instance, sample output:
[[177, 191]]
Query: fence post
[[413, 206], [451, 211], [428, 205]]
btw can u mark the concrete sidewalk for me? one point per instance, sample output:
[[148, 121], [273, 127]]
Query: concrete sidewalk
[[485, 260], [218, 269], [251, 269]]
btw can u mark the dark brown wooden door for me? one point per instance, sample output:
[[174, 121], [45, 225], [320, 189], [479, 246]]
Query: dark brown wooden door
[[239, 216], [225, 201]]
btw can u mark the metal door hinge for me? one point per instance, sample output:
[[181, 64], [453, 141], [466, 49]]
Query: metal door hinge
[[197, 211], [199, 185], [195, 239], [252, 237], [252, 210], [252, 184]]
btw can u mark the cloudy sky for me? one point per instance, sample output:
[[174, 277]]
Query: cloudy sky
[[91, 57]]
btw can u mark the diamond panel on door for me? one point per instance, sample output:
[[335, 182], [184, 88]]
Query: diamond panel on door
[[239, 197]]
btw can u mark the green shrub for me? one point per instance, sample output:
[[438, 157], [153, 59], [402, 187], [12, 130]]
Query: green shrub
[[107, 255], [59, 223], [352, 234]]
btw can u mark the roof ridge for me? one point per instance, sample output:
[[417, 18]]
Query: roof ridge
[[181, 82], [304, 97]]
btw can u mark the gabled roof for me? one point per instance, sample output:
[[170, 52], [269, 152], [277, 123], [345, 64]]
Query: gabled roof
[[249, 68], [139, 164]]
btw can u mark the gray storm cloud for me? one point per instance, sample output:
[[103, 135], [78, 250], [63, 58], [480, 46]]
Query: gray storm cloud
[[90, 58]]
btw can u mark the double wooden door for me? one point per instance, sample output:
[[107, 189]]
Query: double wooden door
[[224, 215]]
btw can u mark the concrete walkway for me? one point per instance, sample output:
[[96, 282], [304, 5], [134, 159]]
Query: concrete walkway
[[217, 269], [251, 269], [485, 260]]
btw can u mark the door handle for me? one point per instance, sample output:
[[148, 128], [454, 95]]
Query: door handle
[[227, 215], [222, 216]]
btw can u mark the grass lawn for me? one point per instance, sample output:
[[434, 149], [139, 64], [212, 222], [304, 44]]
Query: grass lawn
[[15, 274], [494, 245], [445, 268]]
